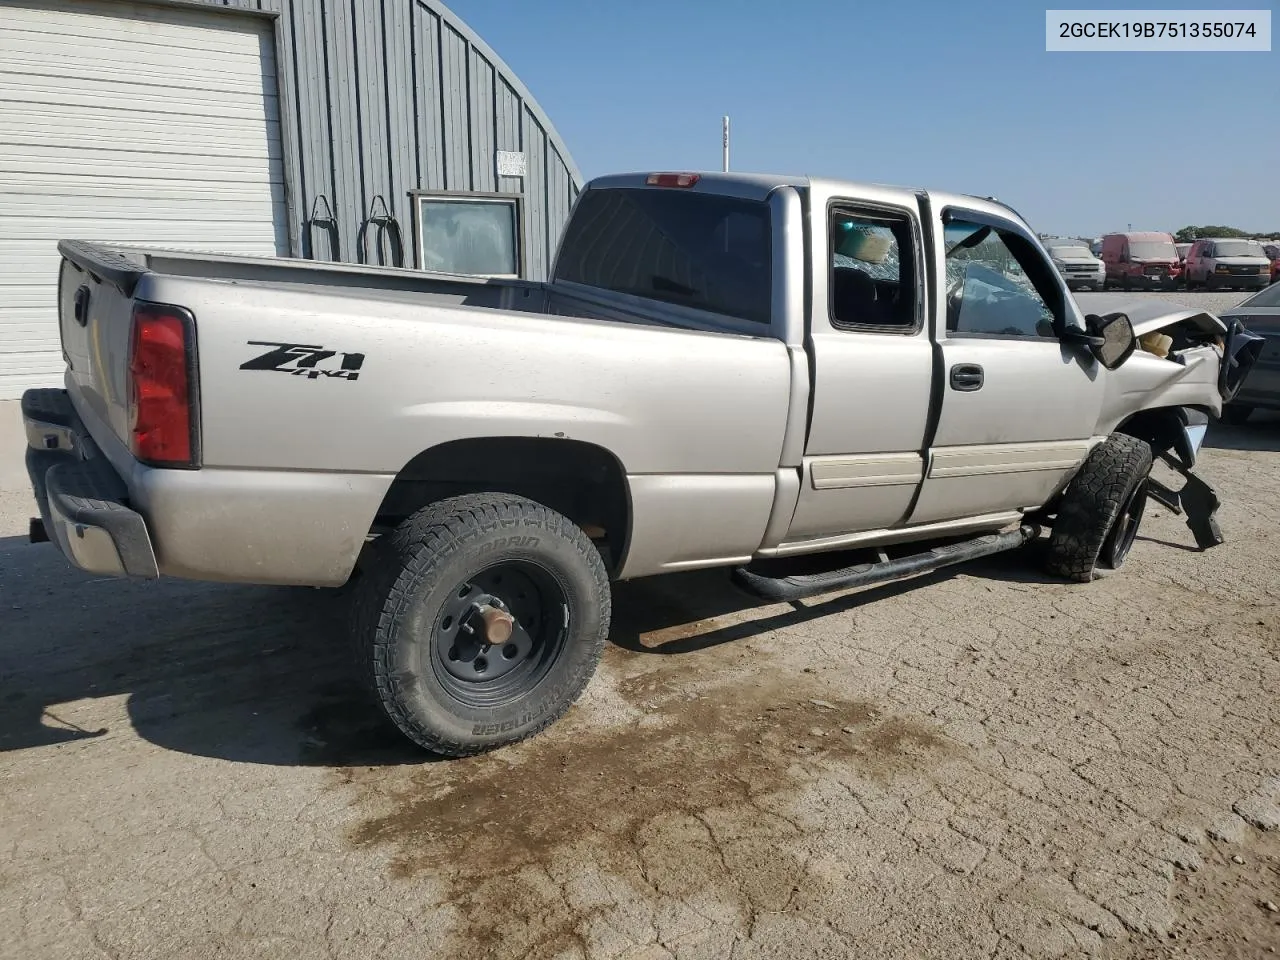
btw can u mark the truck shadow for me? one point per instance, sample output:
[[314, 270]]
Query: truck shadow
[[263, 675], [683, 613], [1260, 432]]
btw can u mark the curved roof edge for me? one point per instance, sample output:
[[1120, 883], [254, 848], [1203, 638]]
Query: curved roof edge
[[514, 81]]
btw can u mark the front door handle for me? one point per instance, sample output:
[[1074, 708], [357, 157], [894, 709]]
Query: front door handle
[[966, 377]]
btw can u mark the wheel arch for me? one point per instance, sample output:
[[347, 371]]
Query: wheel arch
[[583, 481], [1160, 427]]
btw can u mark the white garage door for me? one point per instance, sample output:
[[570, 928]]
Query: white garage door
[[128, 123]]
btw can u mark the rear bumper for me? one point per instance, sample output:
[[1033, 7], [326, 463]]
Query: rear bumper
[[83, 502], [113, 516]]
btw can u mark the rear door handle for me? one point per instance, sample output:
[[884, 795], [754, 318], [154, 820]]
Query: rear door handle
[[966, 377], [81, 306]]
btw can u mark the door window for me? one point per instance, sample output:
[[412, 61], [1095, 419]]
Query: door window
[[872, 282], [997, 285]]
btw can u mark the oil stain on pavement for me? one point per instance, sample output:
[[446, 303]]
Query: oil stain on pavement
[[685, 805]]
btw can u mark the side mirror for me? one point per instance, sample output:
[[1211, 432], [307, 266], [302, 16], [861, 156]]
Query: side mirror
[[1114, 340]]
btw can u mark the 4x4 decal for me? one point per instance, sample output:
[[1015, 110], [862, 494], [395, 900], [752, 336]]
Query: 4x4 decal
[[304, 360]]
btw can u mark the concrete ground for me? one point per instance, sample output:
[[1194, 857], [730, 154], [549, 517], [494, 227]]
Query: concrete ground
[[981, 763]]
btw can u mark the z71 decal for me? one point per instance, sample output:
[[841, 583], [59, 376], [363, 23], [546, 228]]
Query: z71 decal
[[304, 360]]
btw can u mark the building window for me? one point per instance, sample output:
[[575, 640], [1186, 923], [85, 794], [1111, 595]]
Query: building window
[[469, 233]]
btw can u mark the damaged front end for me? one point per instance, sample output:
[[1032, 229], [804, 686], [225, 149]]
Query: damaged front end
[[1188, 364]]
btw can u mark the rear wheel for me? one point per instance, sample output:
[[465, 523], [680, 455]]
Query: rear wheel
[[480, 621], [1101, 510]]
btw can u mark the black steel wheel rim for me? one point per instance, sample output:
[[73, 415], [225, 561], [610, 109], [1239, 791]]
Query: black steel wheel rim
[[1125, 529], [479, 673]]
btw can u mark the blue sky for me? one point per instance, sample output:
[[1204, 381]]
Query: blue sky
[[952, 95]]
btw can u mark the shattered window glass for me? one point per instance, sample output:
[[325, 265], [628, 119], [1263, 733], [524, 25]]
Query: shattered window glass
[[872, 282], [988, 291]]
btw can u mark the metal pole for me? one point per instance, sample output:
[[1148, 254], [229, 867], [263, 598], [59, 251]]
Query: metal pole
[[726, 144]]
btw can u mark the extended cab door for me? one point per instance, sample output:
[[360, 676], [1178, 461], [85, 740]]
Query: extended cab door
[[872, 364], [1018, 406]]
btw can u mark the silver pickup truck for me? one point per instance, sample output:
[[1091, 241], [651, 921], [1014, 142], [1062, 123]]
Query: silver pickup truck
[[724, 371]]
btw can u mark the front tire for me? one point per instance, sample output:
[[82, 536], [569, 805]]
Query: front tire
[[480, 621], [1101, 510]]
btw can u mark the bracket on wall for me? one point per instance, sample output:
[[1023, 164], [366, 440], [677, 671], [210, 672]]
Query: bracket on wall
[[388, 233], [326, 221]]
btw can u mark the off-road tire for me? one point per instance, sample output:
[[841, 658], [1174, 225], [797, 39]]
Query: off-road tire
[[1091, 504], [414, 569], [1237, 414]]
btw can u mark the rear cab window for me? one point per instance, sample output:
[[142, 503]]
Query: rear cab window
[[675, 246]]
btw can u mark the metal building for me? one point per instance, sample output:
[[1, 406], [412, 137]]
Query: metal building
[[377, 131]]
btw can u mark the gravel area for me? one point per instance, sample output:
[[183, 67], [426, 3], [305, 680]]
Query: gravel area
[[1213, 302]]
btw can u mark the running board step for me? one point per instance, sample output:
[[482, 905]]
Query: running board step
[[782, 589]]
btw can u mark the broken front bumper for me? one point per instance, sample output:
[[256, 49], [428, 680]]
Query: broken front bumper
[[83, 502], [1197, 500]]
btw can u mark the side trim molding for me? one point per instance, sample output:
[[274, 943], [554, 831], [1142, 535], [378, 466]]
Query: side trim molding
[[879, 470], [1001, 458]]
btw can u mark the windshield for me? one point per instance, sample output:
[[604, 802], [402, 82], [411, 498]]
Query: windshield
[[1070, 253], [1153, 250], [1238, 248]]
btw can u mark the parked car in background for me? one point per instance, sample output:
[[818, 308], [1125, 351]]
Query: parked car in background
[[1260, 388], [1272, 250], [1078, 267], [1145, 261], [1216, 264], [1096, 248], [1183, 249]]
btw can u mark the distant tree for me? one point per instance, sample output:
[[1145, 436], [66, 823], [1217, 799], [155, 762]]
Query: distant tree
[[1187, 235]]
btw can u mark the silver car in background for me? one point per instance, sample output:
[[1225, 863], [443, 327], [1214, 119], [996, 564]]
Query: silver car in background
[[1260, 389], [1077, 265], [1215, 263]]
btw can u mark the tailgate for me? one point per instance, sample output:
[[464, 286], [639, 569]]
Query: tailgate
[[95, 309]]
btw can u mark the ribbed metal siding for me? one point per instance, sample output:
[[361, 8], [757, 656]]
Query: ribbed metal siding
[[381, 97]]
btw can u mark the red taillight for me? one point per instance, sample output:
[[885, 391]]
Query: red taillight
[[672, 179], [161, 418]]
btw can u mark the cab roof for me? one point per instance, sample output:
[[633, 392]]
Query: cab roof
[[758, 186]]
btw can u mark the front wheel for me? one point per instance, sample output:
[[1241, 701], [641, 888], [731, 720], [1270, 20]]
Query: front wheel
[[1100, 512], [480, 621]]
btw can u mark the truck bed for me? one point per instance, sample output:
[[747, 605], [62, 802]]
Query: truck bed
[[401, 285], [694, 417]]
